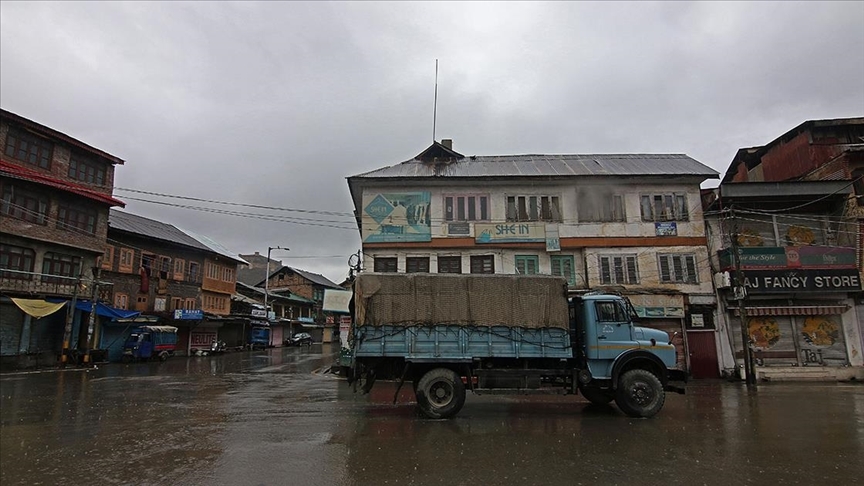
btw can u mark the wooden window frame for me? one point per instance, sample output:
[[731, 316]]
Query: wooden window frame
[[193, 272], [483, 264], [600, 206], [417, 264], [25, 205], [121, 300], [626, 264], [467, 207], [126, 263], [386, 264], [108, 258], [86, 169], [77, 218], [560, 260], [678, 268], [524, 264], [57, 265], [672, 206], [179, 269], [20, 144], [449, 263], [534, 208], [19, 258]]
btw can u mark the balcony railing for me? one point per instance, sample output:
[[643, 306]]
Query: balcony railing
[[17, 281]]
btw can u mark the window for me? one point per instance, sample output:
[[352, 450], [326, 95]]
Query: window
[[610, 312], [599, 206], [29, 148], [417, 265], [59, 265], [664, 207], [533, 208], [164, 266], [527, 264], [176, 303], [16, 258], [190, 304], [385, 265], [618, 269], [212, 270], [563, 266], [127, 256], [25, 205], [194, 270], [318, 295], [108, 258], [121, 301], [179, 269], [483, 264], [678, 269], [466, 208], [85, 169], [148, 263], [449, 264], [227, 274], [71, 218]]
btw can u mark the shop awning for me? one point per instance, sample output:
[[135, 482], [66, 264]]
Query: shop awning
[[101, 309], [795, 310], [38, 308]]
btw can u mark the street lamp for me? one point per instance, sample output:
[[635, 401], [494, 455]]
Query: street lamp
[[267, 278]]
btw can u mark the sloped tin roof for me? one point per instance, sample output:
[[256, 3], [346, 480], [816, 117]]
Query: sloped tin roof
[[550, 166], [150, 228]]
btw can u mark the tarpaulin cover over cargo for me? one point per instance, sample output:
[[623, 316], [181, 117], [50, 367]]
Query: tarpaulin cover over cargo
[[530, 301]]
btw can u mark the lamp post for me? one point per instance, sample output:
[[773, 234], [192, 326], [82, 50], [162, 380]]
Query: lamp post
[[267, 278]]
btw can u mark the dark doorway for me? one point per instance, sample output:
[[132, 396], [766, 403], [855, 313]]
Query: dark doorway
[[703, 354]]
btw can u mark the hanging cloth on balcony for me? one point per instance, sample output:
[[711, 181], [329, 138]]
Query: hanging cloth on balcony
[[38, 308]]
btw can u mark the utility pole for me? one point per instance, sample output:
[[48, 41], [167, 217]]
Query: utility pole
[[70, 317], [740, 293], [97, 274]]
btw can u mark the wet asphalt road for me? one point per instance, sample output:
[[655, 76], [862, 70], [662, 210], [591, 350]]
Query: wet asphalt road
[[271, 417]]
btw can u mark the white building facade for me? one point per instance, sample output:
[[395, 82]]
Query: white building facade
[[629, 223]]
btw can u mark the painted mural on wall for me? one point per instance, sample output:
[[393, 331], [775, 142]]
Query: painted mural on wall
[[764, 332], [395, 217], [820, 331]]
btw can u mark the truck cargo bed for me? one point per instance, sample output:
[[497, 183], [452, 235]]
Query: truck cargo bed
[[461, 343]]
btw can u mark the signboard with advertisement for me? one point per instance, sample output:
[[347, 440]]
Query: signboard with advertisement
[[801, 280], [202, 339], [188, 315], [509, 232], [760, 258], [666, 229], [395, 217], [336, 300]]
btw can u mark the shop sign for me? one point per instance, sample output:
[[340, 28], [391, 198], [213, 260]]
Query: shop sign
[[789, 257], [657, 311], [188, 315], [553, 241], [259, 312], [509, 232], [202, 339], [825, 280], [666, 229]]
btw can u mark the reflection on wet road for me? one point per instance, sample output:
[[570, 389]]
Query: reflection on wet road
[[268, 417]]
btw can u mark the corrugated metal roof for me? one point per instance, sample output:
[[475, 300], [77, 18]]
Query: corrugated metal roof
[[13, 170], [150, 228], [316, 278], [140, 225], [550, 166]]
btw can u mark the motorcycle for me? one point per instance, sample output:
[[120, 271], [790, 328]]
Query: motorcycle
[[218, 347]]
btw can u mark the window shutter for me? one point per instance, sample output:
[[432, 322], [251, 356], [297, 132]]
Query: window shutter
[[664, 269]]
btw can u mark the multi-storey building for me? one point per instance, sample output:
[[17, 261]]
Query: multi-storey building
[[300, 294], [56, 192], [793, 211], [184, 279], [630, 223]]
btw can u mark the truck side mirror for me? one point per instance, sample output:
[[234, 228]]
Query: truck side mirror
[[672, 337]]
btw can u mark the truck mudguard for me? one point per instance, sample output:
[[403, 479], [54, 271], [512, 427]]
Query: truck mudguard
[[652, 364]]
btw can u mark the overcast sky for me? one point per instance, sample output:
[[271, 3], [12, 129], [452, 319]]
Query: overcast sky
[[274, 104]]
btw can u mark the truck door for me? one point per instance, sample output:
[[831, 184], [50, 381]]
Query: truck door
[[613, 329]]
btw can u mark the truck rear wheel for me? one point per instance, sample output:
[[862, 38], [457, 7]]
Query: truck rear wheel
[[640, 393], [596, 395], [440, 393]]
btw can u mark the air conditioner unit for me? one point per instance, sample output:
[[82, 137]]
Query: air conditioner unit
[[722, 280]]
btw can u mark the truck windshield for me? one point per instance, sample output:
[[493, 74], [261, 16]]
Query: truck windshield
[[610, 311]]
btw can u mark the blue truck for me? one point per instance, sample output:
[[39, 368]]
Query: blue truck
[[505, 334], [149, 342]]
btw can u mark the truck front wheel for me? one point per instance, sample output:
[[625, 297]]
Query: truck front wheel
[[640, 393], [440, 393]]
